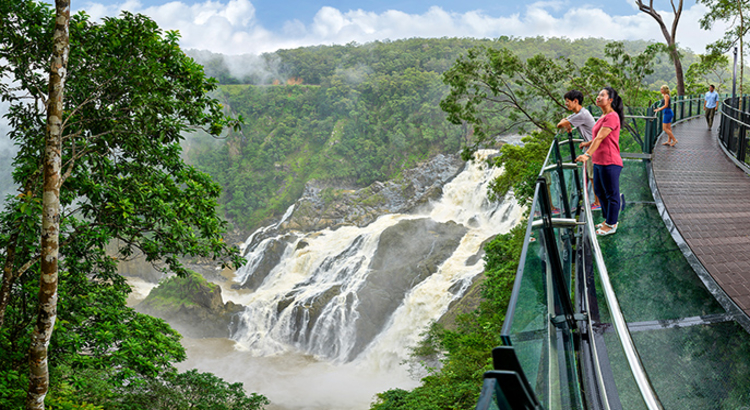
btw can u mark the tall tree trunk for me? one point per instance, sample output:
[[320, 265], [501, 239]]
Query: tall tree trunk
[[742, 49], [47, 310], [9, 276], [677, 69], [669, 36]]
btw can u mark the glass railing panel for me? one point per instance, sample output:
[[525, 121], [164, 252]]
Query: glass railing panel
[[492, 396], [556, 194], [569, 383], [572, 186], [734, 131], [528, 333], [546, 352]]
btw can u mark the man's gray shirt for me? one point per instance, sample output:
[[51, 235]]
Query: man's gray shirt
[[584, 121]]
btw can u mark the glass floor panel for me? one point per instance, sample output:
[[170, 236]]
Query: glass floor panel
[[649, 274], [697, 367], [634, 181]]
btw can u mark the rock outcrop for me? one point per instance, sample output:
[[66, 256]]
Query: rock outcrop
[[192, 306], [408, 253], [324, 205]]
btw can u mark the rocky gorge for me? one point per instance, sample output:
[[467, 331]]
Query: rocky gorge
[[201, 310]]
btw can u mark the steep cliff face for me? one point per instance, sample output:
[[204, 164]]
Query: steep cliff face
[[324, 206], [407, 254], [356, 275]]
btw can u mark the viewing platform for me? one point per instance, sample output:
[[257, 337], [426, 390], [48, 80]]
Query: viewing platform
[[707, 196], [654, 316]]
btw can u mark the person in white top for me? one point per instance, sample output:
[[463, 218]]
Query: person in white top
[[582, 119]]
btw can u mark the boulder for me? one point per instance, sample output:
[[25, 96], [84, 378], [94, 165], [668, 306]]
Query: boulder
[[408, 253], [192, 306]]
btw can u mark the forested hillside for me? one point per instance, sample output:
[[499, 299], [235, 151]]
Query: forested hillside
[[345, 115]]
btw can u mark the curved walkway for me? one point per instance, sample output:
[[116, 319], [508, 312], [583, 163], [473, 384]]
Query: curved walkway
[[707, 197]]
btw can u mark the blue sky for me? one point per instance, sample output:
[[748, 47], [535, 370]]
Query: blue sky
[[257, 26]]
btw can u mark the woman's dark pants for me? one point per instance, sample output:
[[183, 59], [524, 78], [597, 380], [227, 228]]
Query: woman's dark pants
[[607, 188]]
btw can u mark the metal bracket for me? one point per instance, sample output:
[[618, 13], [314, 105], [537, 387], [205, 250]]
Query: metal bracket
[[559, 320], [558, 223], [565, 165]]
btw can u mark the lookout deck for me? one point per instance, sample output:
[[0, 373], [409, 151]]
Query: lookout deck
[[707, 197]]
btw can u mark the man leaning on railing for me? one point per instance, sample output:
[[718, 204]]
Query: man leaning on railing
[[711, 101], [584, 121]]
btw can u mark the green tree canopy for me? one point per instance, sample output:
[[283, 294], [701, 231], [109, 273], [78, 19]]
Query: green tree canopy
[[130, 95], [496, 92]]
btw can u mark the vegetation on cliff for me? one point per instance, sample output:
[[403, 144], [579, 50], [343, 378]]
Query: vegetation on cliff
[[192, 305], [359, 113]]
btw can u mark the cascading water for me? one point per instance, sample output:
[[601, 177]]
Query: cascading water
[[365, 294]]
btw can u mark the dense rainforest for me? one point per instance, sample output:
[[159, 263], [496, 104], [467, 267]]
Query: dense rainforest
[[343, 116], [119, 188], [349, 115]]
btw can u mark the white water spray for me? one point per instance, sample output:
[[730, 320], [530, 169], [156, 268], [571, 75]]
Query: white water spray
[[309, 301]]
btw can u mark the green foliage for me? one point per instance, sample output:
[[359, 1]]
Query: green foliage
[[360, 127], [86, 390], [364, 112], [467, 349], [731, 12], [521, 167], [733, 16], [711, 69], [624, 72], [130, 96], [497, 92], [172, 291], [188, 390]]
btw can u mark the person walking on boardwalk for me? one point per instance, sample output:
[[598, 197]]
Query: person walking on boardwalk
[[712, 100], [584, 122], [604, 151], [666, 122]]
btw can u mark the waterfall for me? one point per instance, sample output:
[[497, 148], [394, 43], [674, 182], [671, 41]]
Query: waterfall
[[364, 294]]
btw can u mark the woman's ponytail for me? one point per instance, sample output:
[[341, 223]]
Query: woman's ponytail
[[617, 104]]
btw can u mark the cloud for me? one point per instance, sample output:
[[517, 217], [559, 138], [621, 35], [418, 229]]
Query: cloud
[[231, 27]]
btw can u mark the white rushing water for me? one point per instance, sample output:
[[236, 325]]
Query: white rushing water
[[299, 343]]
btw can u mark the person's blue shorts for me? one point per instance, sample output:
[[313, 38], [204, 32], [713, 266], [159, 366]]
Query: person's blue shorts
[[668, 116]]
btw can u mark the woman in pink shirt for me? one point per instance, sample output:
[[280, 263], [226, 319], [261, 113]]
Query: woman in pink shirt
[[604, 151]]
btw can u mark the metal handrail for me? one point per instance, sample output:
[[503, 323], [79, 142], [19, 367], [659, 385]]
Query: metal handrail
[[621, 326], [733, 118]]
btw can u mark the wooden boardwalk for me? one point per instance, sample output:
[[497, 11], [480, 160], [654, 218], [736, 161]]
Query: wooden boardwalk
[[707, 197]]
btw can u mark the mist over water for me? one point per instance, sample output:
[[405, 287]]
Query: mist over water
[[317, 334], [294, 381]]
